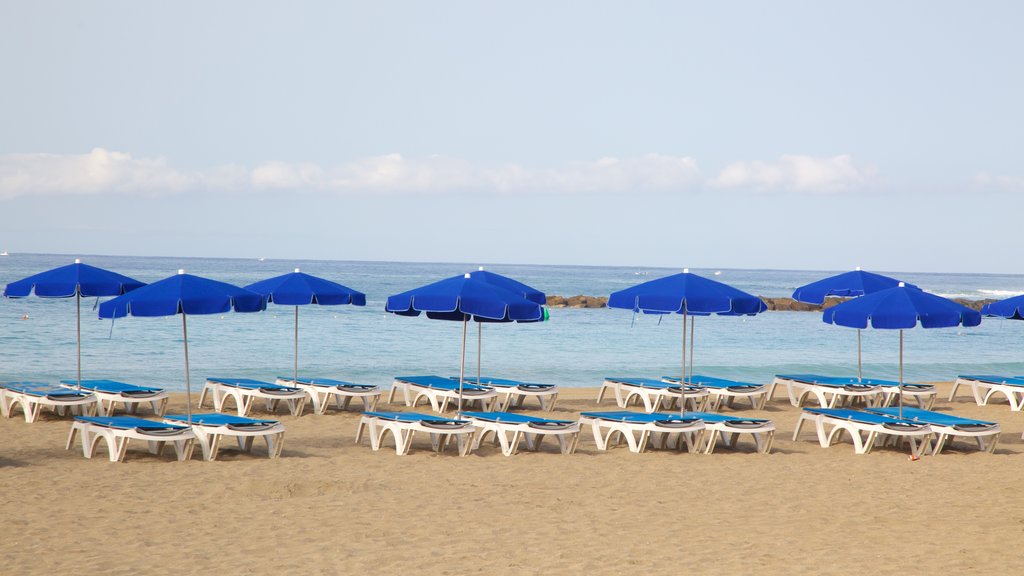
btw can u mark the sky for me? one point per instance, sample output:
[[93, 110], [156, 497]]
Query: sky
[[746, 134]]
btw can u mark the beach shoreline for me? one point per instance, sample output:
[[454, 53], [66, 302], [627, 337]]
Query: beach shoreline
[[329, 506]]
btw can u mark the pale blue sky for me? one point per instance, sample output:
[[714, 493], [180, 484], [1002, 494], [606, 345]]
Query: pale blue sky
[[708, 134]]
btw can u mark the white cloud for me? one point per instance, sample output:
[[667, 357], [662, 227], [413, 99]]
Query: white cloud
[[797, 174], [97, 172], [1005, 183], [106, 172]]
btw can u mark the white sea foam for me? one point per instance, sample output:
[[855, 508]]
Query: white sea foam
[[980, 293]]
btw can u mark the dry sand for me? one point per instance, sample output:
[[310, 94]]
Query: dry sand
[[329, 506]]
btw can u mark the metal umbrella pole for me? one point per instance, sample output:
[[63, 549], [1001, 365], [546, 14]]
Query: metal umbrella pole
[[901, 374], [692, 321], [859, 356], [462, 365], [295, 372], [78, 306], [479, 345], [188, 381]]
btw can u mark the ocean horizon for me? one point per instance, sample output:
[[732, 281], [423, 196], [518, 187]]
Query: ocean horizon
[[576, 348]]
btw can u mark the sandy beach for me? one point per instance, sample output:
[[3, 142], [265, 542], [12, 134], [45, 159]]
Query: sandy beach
[[329, 506]]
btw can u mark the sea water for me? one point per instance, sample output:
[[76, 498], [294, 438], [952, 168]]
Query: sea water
[[577, 347]]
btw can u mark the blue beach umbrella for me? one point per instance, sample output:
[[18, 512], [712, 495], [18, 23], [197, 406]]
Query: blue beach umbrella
[[299, 289], [901, 308], [73, 280], [846, 285], [690, 295], [468, 297], [1012, 308], [183, 294]]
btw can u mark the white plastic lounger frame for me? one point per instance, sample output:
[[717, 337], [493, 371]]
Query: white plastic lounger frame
[[440, 398], [515, 395], [210, 436], [919, 436], [244, 398], [404, 432], [757, 395], [509, 434], [828, 396], [117, 440], [32, 405], [983, 391], [131, 401], [653, 399], [320, 395], [672, 434], [763, 434]]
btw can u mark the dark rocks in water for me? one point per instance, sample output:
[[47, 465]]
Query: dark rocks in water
[[578, 301], [790, 305], [779, 304]]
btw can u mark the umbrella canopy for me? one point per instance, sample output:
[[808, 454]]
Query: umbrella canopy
[[73, 280], [1012, 308], [474, 296], [687, 294], [845, 285], [298, 289], [183, 294], [901, 308]]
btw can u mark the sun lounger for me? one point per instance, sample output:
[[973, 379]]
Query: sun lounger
[[642, 429], [984, 386], [515, 392], [654, 394], [442, 392], [947, 426], [320, 391], [729, 428], [722, 390], [864, 428], [211, 428], [833, 391], [118, 431], [34, 396], [404, 425], [245, 391], [110, 393], [509, 429]]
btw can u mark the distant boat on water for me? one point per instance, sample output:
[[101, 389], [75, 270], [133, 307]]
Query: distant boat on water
[[4, 253]]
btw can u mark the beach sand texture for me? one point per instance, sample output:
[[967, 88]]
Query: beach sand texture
[[329, 506]]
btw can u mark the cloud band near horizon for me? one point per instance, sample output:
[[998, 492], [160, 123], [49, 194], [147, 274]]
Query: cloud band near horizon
[[103, 171]]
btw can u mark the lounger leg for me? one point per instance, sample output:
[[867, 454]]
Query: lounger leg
[[952, 392]]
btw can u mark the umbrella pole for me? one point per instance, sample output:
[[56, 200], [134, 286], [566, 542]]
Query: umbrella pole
[[462, 366], [682, 381], [692, 320], [479, 344], [858, 356], [78, 350], [188, 383], [295, 373], [901, 374]]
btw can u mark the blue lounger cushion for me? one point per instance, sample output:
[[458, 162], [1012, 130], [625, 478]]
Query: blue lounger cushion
[[712, 382], [413, 417], [716, 418], [643, 383], [129, 423], [930, 417], [996, 379], [41, 389], [329, 383], [439, 383], [860, 416], [504, 383], [639, 417], [220, 420], [250, 384], [849, 381], [511, 418], [111, 386]]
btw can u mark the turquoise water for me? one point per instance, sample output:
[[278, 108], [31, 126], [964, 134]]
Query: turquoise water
[[576, 348]]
